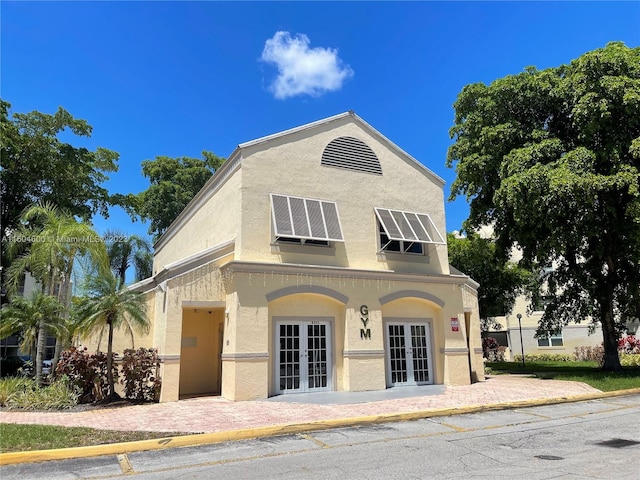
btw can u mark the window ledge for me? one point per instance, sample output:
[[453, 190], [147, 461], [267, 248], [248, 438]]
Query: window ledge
[[306, 248]]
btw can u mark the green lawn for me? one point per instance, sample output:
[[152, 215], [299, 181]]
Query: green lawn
[[587, 372], [21, 438]]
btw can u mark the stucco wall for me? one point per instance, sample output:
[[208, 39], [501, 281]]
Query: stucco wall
[[215, 222], [291, 166], [358, 362]]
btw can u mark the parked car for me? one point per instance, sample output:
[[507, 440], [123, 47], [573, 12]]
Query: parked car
[[46, 367], [11, 365]]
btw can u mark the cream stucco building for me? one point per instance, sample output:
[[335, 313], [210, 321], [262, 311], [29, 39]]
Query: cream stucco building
[[313, 260]]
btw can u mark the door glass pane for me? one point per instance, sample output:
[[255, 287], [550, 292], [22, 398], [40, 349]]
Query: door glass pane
[[289, 357], [420, 353], [317, 356], [397, 353]]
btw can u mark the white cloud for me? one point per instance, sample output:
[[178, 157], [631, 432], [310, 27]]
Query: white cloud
[[303, 70]]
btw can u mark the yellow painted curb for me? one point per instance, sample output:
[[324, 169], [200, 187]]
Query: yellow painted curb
[[285, 429]]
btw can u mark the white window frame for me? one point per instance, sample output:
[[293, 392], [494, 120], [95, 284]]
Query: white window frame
[[549, 341]]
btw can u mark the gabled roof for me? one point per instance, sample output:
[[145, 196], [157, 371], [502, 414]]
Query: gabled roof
[[235, 159], [375, 133]]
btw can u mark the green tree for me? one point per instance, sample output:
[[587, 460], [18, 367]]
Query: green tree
[[550, 159], [36, 166], [26, 316], [108, 307], [501, 281], [174, 182], [51, 239], [126, 251]]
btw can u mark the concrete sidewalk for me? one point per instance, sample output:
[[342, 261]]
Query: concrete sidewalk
[[214, 414]]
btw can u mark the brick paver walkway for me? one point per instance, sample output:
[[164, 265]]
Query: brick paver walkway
[[214, 414]]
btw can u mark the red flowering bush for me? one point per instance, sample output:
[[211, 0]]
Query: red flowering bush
[[629, 344], [491, 350]]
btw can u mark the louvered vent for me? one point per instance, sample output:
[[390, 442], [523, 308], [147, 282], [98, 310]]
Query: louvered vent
[[351, 154]]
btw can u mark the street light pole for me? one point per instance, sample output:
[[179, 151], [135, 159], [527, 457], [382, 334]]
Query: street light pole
[[521, 344]]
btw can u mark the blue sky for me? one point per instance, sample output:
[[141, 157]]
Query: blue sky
[[176, 78]]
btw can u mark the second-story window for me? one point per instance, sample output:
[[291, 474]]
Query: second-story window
[[406, 232], [398, 246], [305, 221]]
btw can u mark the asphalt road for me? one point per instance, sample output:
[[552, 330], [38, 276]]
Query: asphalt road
[[597, 439]]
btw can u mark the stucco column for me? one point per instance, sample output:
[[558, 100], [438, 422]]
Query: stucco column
[[456, 354], [169, 312], [245, 354], [364, 361]]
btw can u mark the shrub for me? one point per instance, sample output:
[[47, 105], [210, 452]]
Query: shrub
[[87, 373], [26, 395], [489, 345], [140, 374], [76, 365], [99, 364], [629, 344], [546, 357], [11, 386], [592, 354], [630, 359]]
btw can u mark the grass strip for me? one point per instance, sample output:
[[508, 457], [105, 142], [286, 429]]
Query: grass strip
[[23, 438], [586, 372]]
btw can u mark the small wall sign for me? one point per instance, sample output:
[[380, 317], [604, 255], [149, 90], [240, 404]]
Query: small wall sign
[[455, 324], [364, 318]]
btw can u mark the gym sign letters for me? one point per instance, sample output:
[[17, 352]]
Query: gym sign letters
[[364, 318]]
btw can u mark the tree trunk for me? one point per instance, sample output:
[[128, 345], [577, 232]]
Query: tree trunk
[[63, 340], [610, 337], [110, 380], [40, 346], [56, 355]]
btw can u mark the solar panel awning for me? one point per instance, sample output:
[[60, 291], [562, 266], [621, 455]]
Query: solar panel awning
[[409, 226], [305, 218]]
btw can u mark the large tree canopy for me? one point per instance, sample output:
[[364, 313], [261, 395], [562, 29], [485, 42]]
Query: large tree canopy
[[174, 182], [551, 159], [501, 281], [36, 166]]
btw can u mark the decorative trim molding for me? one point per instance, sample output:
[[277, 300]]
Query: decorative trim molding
[[202, 304], [363, 353], [236, 266], [293, 290], [175, 358], [477, 350], [412, 293], [455, 351], [185, 265], [245, 357]]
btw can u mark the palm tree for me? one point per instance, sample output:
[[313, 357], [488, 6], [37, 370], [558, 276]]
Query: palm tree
[[125, 251], [107, 307], [26, 316], [55, 238]]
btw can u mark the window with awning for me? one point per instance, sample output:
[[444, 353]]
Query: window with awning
[[406, 232], [305, 218]]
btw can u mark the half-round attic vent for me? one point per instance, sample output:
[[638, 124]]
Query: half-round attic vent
[[351, 154]]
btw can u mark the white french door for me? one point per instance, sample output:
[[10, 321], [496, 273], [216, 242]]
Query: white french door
[[303, 356], [409, 354]]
